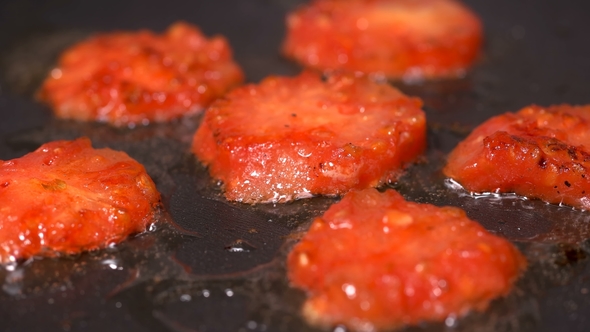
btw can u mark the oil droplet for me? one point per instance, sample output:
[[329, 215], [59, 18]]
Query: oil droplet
[[350, 290], [342, 58], [113, 264], [11, 265], [450, 321], [240, 246], [56, 73], [437, 291], [303, 259], [229, 292], [13, 282], [185, 298], [118, 305], [304, 153], [206, 293]]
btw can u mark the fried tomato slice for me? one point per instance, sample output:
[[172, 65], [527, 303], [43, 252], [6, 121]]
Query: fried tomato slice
[[67, 197], [399, 39], [129, 78], [538, 152], [374, 261], [289, 138]]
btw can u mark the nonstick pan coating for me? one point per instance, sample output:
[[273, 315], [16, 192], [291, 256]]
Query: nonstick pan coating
[[211, 265]]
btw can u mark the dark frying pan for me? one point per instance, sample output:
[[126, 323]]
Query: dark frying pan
[[211, 265]]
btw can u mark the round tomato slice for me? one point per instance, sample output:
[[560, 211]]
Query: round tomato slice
[[374, 261], [130, 78], [67, 197], [538, 153], [289, 138], [398, 39]]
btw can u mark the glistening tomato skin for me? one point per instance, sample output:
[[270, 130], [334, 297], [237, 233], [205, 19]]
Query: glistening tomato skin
[[289, 138], [399, 39], [538, 153], [374, 261], [130, 78], [67, 197]]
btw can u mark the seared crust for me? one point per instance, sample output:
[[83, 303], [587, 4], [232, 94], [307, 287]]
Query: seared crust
[[399, 39], [374, 261], [538, 153], [289, 138], [129, 78], [67, 197]]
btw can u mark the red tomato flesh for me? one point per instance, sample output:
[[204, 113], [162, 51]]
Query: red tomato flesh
[[129, 78], [538, 152], [289, 138], [400, 39], [374, 261], [67, 197]]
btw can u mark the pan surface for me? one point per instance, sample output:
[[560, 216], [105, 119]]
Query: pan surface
[[211, 265]]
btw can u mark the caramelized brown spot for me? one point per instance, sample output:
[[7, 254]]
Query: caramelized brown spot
[[571, 151], [543, 162]]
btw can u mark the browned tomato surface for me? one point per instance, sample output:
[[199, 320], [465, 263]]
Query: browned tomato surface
[[374, 261], [289, 138], [538, 152], [407, 39], [67, 197], [129, 78]]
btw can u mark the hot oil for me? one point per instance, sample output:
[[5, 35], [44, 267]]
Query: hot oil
[[182, 277], [211, 258]]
